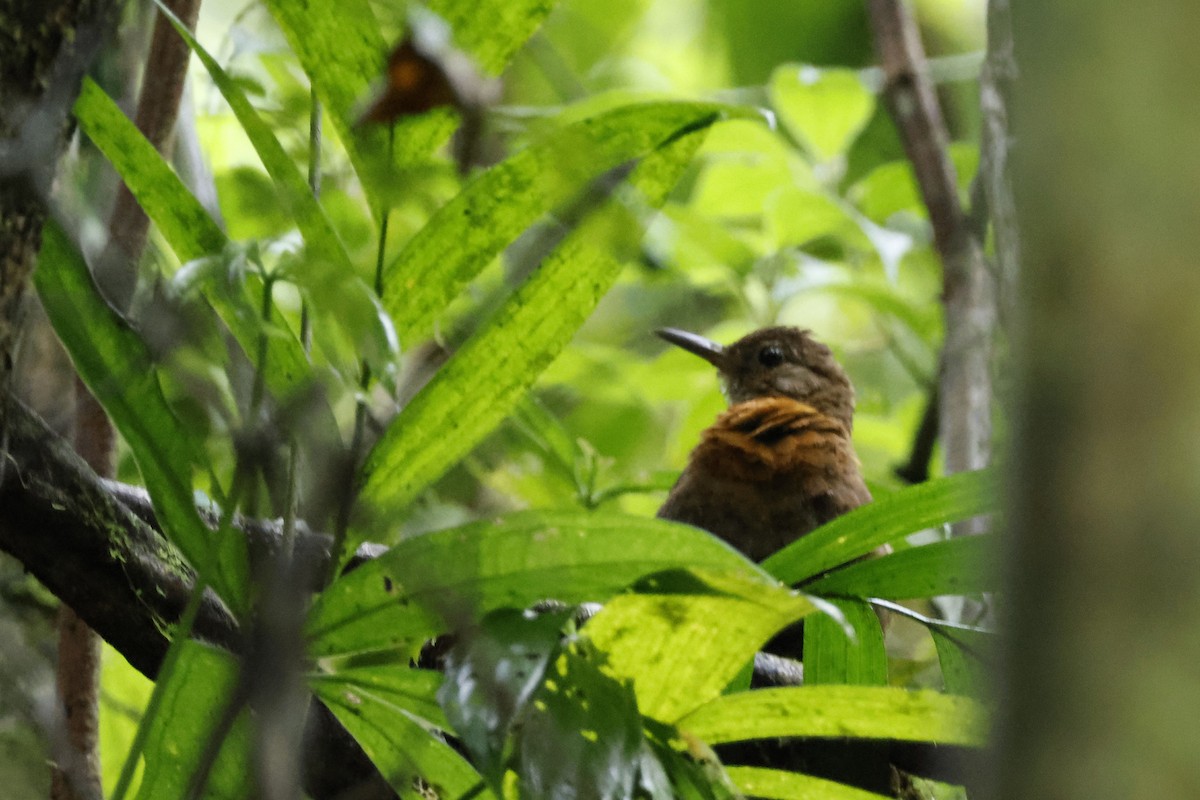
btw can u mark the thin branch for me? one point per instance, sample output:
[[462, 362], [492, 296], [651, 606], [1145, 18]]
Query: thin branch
[[965, 384]]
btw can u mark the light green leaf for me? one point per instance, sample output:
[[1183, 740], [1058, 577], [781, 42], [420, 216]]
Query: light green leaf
[[681, 637], [183, 222], [909, 510], [192, 704], [832, 656], [481, 383], [867, 712], [775, 784], [825, 109], [187, 227], [953, 566], [492, 32], [323, 242], [466, 234], [401, 597], [117, 367]]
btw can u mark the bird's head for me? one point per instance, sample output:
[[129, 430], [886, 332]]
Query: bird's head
[[776, 362]]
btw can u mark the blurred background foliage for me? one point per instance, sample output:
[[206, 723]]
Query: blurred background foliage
[[804, 214]]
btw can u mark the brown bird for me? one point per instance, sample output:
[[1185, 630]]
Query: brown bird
[[779, 462]]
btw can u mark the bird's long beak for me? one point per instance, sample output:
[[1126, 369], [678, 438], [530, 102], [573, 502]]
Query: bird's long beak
[[707, 349]]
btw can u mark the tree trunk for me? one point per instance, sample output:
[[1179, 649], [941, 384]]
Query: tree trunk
[[1098, 689]]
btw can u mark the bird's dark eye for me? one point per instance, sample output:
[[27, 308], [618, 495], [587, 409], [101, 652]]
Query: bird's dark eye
[[771, 356]]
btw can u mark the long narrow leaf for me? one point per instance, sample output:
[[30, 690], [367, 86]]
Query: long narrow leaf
[[953, 566], [481, 383], [186, 226], [832, 656], [194, 699], [937, 502], [412, 757], [492, 32], [867, 712], [315, 227], [775, 784], [405, 595], [472, 229], [117, 366]]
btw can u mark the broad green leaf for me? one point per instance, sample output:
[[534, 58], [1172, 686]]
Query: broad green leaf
[[832, 656], [187, 228], [795, 216], [398, 599], [323, 242], [825, 109], [118, 368], [492, 32], [481, 383], [909, 510], [892, 188], [867, 712], [776, 784], [953, 566], [495, 209], [413, 690], [962, 654], [409, 753], [681, 637], [192, 705]]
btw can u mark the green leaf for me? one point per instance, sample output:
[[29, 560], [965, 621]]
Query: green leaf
[[193, 702], [397, 600], [412, 690], [183, 222], [953, 566], [492, 32], [582, 735], [341, 49], [962, 654], [775, 784], [492, 674], [323, 242], [188, 230], [825, 109], [466, 234], [909, 510], [831, 656], [681, 637], [118, 368], [482, 382], [408, 752], [867, 712]]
